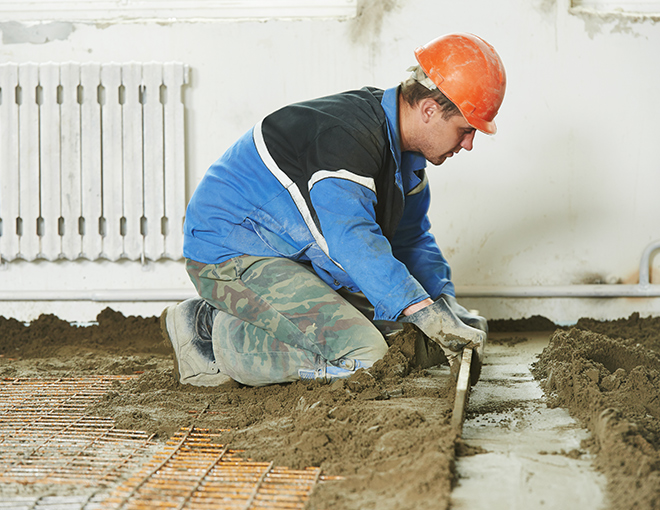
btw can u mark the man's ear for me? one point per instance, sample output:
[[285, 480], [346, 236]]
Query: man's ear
[[427, 109]]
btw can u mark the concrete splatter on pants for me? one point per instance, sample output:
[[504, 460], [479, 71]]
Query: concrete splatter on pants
[[280, 317]]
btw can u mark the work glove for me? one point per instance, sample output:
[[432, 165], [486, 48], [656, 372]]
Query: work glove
[[475, 321], [441, 324]]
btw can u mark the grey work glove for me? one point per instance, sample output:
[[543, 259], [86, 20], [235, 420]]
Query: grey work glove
[[441, 324], [475, 321]]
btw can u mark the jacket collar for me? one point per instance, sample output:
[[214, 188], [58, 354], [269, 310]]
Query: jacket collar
[[407, 162]]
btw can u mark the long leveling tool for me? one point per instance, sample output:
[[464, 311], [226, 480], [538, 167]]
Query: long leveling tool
[[462, 391]]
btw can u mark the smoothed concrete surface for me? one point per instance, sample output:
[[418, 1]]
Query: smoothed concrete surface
[[527, 464]]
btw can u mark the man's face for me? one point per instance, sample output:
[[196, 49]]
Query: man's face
[[442, 138]]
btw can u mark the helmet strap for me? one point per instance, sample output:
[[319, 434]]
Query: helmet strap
[[420, 77]]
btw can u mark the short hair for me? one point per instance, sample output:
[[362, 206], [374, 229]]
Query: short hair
[[413, 92]]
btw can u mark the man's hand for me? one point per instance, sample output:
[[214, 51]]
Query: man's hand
[[475, 321], [439, 322]]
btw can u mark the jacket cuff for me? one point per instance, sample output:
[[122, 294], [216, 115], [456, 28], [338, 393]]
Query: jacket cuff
[[409, 291], [447, 288]]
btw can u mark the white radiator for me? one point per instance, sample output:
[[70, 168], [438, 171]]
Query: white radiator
[[92, 161]]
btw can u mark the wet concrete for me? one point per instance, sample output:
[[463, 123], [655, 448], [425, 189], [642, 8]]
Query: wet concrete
[[532, 455]]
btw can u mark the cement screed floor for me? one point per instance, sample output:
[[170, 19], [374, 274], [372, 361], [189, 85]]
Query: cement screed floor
[[577, 405]]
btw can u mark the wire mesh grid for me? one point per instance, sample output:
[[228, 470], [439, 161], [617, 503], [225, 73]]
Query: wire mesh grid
[[46, 438], [63, 395], [195, 471]]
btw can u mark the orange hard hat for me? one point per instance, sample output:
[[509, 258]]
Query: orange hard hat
[[470, 73]]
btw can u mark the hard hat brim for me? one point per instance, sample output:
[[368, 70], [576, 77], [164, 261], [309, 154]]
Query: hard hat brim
[[484, 126]]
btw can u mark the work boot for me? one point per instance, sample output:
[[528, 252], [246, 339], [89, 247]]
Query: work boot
[[187, 327], [338, 369]]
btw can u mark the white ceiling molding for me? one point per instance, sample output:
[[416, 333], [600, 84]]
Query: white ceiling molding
[[119, 10]]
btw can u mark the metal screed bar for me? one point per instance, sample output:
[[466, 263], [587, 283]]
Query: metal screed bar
[[462, 391]]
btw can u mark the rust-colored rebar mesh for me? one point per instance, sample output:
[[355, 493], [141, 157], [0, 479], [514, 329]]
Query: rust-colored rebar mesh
[[46, 438], [195, 471], [64, 395]]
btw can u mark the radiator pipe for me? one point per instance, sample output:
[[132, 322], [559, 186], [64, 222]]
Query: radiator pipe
[[560, 291], [111, 295], [471, 291], [646, 262], [644, 289]]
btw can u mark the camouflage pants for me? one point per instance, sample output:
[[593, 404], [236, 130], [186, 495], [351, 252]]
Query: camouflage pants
[[279, 317]]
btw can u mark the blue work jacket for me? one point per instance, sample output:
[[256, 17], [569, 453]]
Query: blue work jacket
[[325, 182]]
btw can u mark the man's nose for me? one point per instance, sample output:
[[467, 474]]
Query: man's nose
[[467, 141]]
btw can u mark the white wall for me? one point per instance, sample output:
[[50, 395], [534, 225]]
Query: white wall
[[566, 192]]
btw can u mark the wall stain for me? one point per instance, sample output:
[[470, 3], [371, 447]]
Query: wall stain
[[596, 21], [595, 278], [14, 32], [368, 22], [547, 7]]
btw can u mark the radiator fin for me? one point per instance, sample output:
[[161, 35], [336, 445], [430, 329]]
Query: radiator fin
[[92, 161]]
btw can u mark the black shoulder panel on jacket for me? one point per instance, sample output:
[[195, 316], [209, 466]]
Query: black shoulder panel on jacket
[[345, 131]]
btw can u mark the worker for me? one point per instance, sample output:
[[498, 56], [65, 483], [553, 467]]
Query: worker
[[309, 238]]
